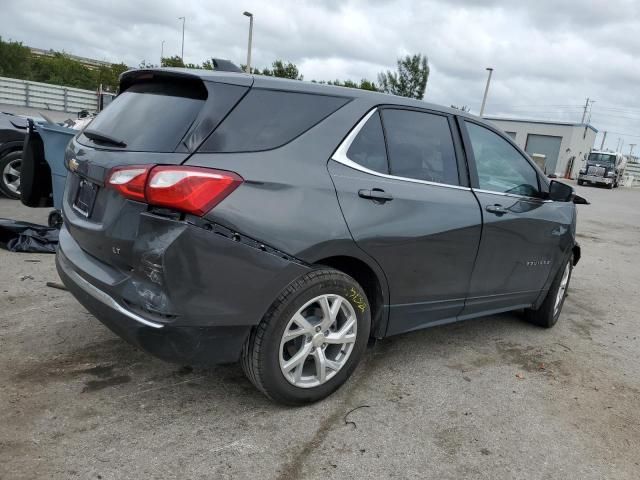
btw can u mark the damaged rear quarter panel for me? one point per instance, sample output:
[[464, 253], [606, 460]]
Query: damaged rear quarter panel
[[203, 278]]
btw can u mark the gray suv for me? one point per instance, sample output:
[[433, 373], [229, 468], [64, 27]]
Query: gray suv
[[214, 217]]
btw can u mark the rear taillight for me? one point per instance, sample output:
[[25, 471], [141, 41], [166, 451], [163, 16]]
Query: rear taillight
[[130, 181], [188, 189]]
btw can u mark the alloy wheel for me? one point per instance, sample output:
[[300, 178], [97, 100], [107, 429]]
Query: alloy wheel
[[11, 176], [562, 289], [318, 341]]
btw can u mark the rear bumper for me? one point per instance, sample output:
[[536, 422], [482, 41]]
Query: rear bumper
[[186, 345], [596, 179], [213, 291]]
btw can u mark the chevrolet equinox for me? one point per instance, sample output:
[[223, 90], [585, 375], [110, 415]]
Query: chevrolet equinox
[[216, 217]]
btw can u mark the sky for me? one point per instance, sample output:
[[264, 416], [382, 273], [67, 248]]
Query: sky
[[548, 56]]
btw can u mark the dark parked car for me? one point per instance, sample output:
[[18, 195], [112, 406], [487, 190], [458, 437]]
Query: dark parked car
[[13, 129], [284, 224]]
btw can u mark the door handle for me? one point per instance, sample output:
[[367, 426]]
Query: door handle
[[497, 209], [376, 194]]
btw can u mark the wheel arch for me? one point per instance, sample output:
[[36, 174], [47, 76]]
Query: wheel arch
[[373, 283], [9, 147]]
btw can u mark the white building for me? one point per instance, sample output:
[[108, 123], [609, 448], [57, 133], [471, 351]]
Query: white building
[[564, 145]]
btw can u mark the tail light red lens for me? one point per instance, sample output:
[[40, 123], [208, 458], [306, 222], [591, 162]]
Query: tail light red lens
[[190, 189], [130, 181], [193, 190]]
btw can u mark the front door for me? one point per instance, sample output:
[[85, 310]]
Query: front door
[[407, 207], [523, 235]]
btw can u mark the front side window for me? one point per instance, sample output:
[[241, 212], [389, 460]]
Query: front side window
[[501, 168], [368, 147], [420, 146]]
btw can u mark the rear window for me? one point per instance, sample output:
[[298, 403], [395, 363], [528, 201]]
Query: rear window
[[150, 116], [267, 119]]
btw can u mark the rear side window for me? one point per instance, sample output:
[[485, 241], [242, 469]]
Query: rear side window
[[420, 146], [151, 116], [368, 147], [267, 119]]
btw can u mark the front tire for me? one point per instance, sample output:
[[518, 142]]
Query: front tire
[[311, 339], [547, 314], [580, 182]]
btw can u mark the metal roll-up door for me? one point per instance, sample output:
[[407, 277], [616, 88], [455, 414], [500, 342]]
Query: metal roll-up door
[[546, 145]]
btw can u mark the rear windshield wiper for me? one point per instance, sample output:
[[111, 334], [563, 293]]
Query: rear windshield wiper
[[101, 137]]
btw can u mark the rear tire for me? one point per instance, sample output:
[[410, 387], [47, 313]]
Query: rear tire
[[547, 314], [301, 336], [55, 219], [580, 182], [10, 167]]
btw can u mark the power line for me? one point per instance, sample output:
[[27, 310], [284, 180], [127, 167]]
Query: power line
[[624, 134], [536, 105], [615, 115]]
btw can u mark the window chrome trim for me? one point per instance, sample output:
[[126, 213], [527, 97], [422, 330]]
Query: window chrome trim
[[340, 156], [513, 195]]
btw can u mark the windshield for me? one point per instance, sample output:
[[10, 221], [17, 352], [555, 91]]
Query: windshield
[[602, 158]]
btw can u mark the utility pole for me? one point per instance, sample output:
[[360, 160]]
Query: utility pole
[[620, 143], [250, 15], [631, 145], [584, 113], [486, 91], [182, 53], [590, 110], [603, 139], [161, 52]]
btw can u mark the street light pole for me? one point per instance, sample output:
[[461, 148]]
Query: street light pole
[[182, 54], [486, 91], [161, 52], [250, 15]]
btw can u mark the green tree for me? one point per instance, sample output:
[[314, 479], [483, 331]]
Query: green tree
[[61, 70], [279, 68], [464, 108], [15, 60], [285, 70], [174, 61], [363, 85], [109, 76], [410, 80], [368, 85]]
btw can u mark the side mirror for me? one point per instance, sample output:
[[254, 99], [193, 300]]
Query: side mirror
[[578, 200], [560, 192]]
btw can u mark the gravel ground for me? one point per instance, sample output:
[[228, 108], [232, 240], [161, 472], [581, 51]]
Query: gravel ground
[[490, 398]]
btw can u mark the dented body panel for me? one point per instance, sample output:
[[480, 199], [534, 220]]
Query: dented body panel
[[182, 277]]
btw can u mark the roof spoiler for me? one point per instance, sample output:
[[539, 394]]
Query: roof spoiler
[[222, 65]]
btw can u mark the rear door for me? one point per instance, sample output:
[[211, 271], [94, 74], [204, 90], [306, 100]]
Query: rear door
[[523, 235], [407, 204]]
